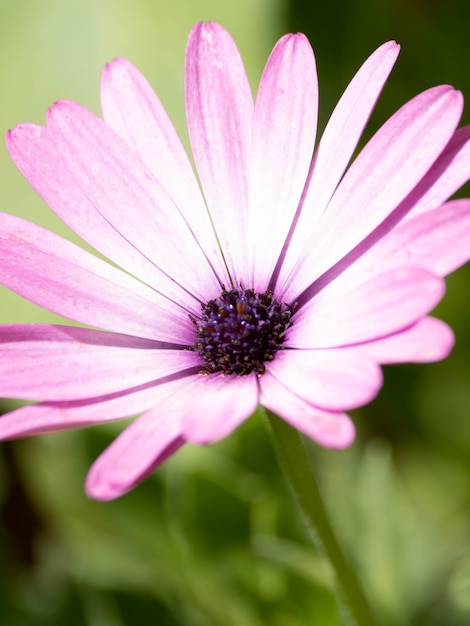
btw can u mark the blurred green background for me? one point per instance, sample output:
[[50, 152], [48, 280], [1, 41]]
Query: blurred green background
[[213, 537]]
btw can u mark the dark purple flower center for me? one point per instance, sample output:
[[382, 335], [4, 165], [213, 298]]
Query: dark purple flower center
[[240, 330]]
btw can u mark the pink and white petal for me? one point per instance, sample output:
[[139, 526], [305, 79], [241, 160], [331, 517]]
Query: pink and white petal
[[48, 417], [334, 380], [216, 405], [65, 363], [50, 336], [383, 305], [386, 170], [338, 142], [38, 419], [426, 341], [127, 195], [444, 178], [133, 110], [327, 428], [63, 278], [131, 457], [284, 128], [34, 151], [219, 109], [437, 240]]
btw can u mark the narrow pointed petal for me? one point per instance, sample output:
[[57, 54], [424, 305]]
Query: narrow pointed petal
[[219, 404], [128, 196], [131, 457], [284, 128], [338, 142], [437, 240], [426, 341], [334, 380], [386, 170], [66, 363], [383, 305], [328, 428], [35, 153], [63, 278], [219, 109], [132, 109]]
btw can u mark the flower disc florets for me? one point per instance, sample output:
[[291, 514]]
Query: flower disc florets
[[240, 330]]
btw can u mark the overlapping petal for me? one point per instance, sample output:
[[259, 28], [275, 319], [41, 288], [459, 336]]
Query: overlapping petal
[[132, 109], [447, 174], [337, 144], [199, 412], [143, 445], [35, 153], [426, 341], [219, 110], [63, 278], [67, 363], [328, 428], [335, 380], [128, 196], [217, 406], [437, 240], [380, 306], [386, 170], [284, 127], [47, 417]]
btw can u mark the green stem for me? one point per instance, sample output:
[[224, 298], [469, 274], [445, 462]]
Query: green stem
[[293, 460]]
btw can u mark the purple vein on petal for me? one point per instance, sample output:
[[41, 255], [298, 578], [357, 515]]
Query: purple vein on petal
[[48, 363], [445, 176], [335, 149], [34, 151], [53, 416], [134, 111], [379, 178], [219, 112], [284, 129], [113, 177], [64, 278]]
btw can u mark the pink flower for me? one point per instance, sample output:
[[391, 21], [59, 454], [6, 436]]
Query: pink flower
[[286, 284]]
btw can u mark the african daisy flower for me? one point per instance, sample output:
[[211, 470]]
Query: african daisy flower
[[286, 282]]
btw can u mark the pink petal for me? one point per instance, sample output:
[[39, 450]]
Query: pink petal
[[437, 240], [34, 151], [383, 305], [284, 128], [132, 456], [219, 109], [428, 340], [50, 417], [133, 110], [327, 428], [38, 419], [338, 142], [450, 171], [386, 170], [334, 380], [217, 405], [67, 363], [63, 278], [126, 194]]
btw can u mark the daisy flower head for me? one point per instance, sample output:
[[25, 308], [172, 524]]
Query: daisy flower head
[[276, 274]]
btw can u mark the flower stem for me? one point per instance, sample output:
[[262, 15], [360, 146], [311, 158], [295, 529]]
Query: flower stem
[[292, 457]]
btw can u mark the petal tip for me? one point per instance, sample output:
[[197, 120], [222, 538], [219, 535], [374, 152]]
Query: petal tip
[[97, 487]]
